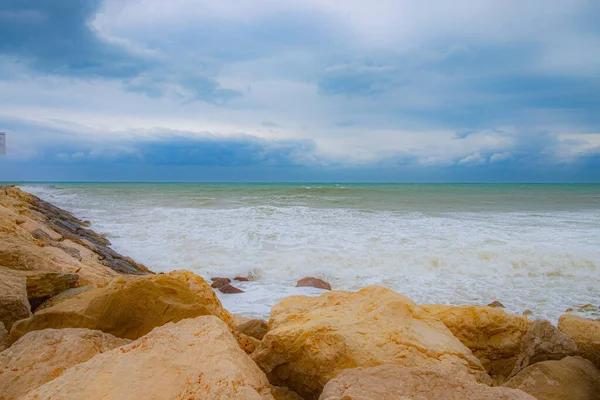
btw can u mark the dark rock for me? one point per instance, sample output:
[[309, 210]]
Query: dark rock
[[496, 304], [220, 282], [228, 289], [314, 282], [241, 279]]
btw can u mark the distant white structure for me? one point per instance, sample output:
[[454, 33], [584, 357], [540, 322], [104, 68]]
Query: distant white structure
[[2, 144]]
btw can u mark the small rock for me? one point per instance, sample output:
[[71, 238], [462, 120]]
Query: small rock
[[527, 313], [86, 223], [241, 279], [228, 289], [496, 304], [543, 342], [219, 282], [256, 328], [313, 282], [20, 221]]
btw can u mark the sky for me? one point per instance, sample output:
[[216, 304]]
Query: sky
[[300, 90]]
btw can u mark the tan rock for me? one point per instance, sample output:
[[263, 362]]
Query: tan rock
[[585, 333], [391, 382], [312, 339], [128, 307], [62, 296], [493, 335], [543, 342], [43, 285], [314, 282], [284, 393], [193, 359], [239, 319], [256, 328], [241, 279], [13, 297], [3, 337], [41, 356], [572, 378]]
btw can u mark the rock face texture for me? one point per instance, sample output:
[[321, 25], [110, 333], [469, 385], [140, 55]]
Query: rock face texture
[[193, 359], [312, 339], [41, 356], [585, 333], [128, 307], [3, 337], [572, 378], [314, 282], [13, 297], [493, 335], [37, 236], [256, 328], [391, 382], [543, 342], [41, 286]]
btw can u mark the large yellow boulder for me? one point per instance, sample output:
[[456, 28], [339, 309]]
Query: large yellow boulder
[[585, 333], [193, 359], [312, 339], [572, 378], [492, 334], [128, 307], [14, 304], [391, 382], [41, 356]]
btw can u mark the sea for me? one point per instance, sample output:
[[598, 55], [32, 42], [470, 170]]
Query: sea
[[529, 246]]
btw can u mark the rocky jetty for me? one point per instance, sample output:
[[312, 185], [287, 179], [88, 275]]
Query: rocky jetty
[[79, 321]]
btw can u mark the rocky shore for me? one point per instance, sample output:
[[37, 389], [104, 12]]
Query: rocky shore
[[80, 321]]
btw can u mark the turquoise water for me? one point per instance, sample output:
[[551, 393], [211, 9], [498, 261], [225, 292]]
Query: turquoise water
[[528, 246]]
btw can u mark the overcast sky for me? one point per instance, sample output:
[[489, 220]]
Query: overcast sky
[[259, 90]]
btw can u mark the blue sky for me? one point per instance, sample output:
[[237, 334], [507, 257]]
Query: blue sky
[[261, 90]]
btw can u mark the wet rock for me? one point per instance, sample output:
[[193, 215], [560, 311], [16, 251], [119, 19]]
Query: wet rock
[[241, 279], [228, 289], [585, 333], [163, 365], [13, 297], [543, 342], [527, 313], [314, 282], [493, 335], [572, 378], [387, 382], [219, 282], [128, 307], [496, 304], [41, 356], [312, 339]]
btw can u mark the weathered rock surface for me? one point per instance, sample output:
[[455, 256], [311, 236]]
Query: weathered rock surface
[[543, 342], [493, 335], [314, 282], [192, 359], [37, 236], [62, 296], [13, 297], [128, 307], [43, 285], [283, 393], [41, 356], [312, 339], [3, 337], [256, 328], [585, 333], [391, 382], [572, 378]]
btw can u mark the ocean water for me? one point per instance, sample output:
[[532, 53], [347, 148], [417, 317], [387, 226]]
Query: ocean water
[[533, 247]]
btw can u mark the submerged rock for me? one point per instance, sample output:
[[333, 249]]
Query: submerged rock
[[14, 304], [543, 342], [228, 289], [572, 378], [493, 335], [496, 304], [41, 356], [313, 282], [585, 333], [192, 359], [312, 339], [387, 382], [128, 307], [241, 279]]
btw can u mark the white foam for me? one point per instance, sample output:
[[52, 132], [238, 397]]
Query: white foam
[[542, 261]]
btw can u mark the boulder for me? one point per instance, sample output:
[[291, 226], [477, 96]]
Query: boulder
[[313, 282], [228, 289], [43, 285], [219, 282], [3, 337], [256, 328], [312, 339], [388, 382], [192, 359], [543, 342], [572, 378], [41, 356], [128, 307], [13, 297], [585, 333], [493, 335]]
